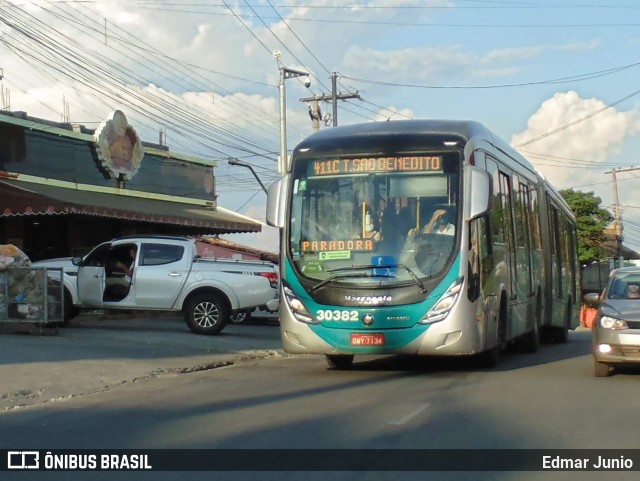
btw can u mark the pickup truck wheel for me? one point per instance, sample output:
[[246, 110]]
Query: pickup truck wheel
[[206, 314]]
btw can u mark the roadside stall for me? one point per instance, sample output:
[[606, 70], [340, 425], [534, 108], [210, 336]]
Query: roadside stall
[[29, 294]]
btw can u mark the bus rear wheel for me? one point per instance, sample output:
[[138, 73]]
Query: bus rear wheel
[[561, 334], [530, 342], [339, 361]]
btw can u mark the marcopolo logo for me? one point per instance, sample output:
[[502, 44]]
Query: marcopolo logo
[[23, 460]]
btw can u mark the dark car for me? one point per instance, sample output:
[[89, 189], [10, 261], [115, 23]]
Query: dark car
[[616, 328]]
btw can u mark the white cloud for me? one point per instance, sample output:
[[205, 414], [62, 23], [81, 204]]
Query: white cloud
[[435, 64], [594, 140], [394, 113]]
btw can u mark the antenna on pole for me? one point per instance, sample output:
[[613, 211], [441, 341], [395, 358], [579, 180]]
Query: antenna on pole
[[333, 97]]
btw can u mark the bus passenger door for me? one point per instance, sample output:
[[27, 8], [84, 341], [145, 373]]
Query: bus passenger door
[[510, 251]]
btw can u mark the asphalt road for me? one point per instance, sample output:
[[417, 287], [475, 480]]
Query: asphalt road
[[152, 384], [97, 352]]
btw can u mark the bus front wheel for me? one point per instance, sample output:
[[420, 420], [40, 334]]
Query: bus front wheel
[[339, 361]]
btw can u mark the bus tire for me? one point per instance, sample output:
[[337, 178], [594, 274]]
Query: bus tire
[[206, 314], [490, 358], [561, 334], [531, 340], [339, 361]]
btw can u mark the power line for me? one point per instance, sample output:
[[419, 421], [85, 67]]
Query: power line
[[572, 78]]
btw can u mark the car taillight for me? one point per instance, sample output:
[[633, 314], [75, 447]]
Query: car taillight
[[273, 278]]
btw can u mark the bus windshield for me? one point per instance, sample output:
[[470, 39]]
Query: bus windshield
[[374, 220]]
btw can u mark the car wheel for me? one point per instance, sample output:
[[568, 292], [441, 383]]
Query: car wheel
[[206, 314], [601, 369], [240, 316], [339, 361]]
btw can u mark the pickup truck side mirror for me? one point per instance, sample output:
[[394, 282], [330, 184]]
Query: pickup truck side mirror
[[76, 261]]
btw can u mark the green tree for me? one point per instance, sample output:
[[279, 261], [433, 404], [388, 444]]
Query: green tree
[[591, 220]]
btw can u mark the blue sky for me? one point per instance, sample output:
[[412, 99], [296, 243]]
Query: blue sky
[[562, 73]]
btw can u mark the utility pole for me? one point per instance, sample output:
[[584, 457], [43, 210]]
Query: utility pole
[[5, 95], [333, 98], [315, 113], [617, 212], [286, 73]]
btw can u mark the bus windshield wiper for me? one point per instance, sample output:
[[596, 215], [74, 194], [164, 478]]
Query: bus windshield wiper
[[368, 266], [337, 276]]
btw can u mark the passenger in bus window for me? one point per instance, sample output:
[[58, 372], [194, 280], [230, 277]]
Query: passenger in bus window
[[439, 224], [443, 226]]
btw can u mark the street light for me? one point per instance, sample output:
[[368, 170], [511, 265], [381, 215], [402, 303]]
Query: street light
[[248, 166], [286, 73]]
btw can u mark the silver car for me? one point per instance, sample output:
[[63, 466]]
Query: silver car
[[616, 328]]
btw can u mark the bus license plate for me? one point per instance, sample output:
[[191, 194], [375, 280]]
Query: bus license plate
[[367, 339]]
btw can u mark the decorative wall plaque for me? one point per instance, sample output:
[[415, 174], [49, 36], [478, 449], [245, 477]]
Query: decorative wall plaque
[[119, 148]]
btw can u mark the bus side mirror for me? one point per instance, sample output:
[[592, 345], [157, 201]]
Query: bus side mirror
[[277, 195], [480, 192]]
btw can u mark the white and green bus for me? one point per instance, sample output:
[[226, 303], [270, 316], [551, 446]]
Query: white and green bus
[[422, 237]]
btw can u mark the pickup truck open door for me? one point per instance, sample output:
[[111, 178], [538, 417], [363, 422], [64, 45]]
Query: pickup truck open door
[[91, 276]]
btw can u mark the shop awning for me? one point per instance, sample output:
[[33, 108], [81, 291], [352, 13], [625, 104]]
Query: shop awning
[[26, 198]]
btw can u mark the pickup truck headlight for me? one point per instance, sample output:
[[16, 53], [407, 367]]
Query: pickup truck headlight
[[441, 309], [613, 323], [300, 312]]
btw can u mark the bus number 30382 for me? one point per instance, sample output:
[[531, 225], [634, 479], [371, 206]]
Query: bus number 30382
[[329, 315]]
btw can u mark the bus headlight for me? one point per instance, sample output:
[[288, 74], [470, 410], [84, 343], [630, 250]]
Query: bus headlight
[[297, 307], [441, 308], [613, 323]]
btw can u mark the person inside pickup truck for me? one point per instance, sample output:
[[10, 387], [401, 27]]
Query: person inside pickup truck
[[128, 269], [119, 278]]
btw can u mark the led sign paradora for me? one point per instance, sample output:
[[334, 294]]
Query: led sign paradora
[[377, 164]]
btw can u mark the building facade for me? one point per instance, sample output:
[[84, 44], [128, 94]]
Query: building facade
[[65, 188]]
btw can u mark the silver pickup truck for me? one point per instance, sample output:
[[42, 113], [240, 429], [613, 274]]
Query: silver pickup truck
[[167, 275]]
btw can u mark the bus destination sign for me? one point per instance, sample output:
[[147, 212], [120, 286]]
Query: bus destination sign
[[367, 165]]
